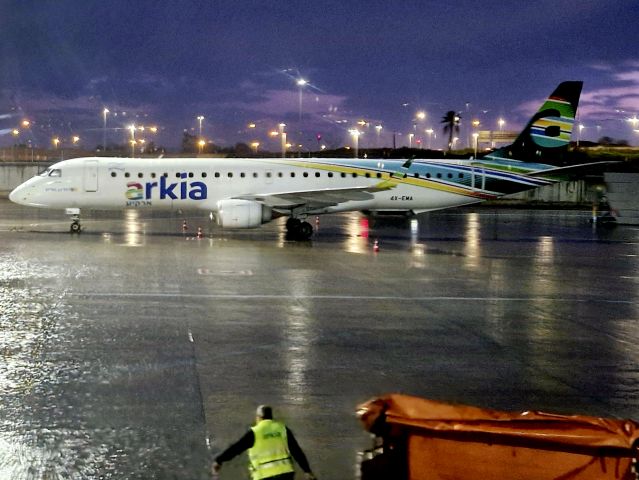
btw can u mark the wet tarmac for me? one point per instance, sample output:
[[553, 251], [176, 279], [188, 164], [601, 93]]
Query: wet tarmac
[[125, 347]]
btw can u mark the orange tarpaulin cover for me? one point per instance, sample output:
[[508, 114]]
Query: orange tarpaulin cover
[[455, 442]]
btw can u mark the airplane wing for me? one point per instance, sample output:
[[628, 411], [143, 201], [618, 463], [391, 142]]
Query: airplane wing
[[312, 199]]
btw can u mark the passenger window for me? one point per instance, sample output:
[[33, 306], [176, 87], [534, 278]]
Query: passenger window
[[461, 175], [268, 174], [165, 175], [279, 174], [450, 175], [379, 175], [203, 174], [255, 175], [439, 175], [343, 175], [190, 174], [113, 174], [230, 174], [292, 174], [153, 175], [367, 175], [177, 175], [140, 175], [127, 174], [305, 174], [354, 175], [416, 175], [217, 175], [330, 174], [317, 174], [242, 175]]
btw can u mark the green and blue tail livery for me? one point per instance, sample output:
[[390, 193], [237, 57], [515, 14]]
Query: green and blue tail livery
[[547, 135]]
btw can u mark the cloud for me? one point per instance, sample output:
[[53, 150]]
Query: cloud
[[279, 103]]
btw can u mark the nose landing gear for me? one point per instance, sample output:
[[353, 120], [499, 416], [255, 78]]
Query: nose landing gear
[[75, 220]]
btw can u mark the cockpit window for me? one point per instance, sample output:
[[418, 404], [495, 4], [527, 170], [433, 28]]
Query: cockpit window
[[51, 172]]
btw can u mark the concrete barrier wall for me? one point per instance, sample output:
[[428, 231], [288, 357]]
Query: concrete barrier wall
[[13, 174], [623, 196]]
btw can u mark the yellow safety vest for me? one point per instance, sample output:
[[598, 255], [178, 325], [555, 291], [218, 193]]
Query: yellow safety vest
[[269, 455]]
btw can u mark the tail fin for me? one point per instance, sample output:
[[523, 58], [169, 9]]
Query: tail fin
[[547, 135]]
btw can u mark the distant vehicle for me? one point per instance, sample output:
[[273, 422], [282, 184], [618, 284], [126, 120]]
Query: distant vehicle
[[245, 193]]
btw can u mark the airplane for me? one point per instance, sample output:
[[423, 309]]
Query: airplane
[[248, 192]]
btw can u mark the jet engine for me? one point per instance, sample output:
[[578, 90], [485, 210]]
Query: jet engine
[[233, 213]]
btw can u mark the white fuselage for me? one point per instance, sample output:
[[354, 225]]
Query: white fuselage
[[295, 187]]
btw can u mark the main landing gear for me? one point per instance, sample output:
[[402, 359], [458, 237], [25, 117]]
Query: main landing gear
[[297, 229], [75, 220]]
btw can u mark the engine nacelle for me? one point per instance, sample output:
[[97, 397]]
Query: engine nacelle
[[242, 214]]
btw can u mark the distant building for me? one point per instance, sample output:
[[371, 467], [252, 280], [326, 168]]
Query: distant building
[[496, 138]]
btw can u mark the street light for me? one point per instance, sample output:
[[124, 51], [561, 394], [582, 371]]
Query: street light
[[501, 123], [201, 144], [355, 134], [75, 139], [378, 131], [300, 83], [200, 119], [255, 146], [430, 135]]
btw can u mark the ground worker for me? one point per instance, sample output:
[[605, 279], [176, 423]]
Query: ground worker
[[271, 449]]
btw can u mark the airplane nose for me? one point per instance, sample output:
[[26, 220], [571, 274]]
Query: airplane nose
[[17, 195]]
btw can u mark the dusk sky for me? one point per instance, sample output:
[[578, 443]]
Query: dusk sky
[[236, 62]]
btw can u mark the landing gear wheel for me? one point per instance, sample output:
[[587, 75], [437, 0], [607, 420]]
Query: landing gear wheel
[[292, 224], [298, 230], [75, 227], [305, 231]]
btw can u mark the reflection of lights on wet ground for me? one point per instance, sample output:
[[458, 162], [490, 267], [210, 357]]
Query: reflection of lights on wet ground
[[298, 339], [545, 250], [132, 228], [472, 247], [357, 232]]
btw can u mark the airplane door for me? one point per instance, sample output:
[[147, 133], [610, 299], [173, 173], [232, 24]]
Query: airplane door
[[91, 176]]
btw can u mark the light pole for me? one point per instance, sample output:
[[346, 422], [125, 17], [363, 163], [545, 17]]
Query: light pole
[[300, 83], [429, 132], [378, 130], [410, 140], [283, 138], [355, 134], [104, 116], [200, 119], [476, 140]]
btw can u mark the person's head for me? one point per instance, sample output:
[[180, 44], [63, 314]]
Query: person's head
[[263, 412]]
